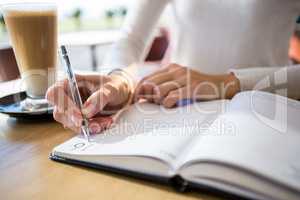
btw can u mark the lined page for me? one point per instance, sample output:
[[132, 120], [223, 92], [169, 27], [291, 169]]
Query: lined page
[[149, 130], [260, 133]]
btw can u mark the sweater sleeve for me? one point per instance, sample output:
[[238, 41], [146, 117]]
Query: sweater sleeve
[[280, 80], [136, 34]]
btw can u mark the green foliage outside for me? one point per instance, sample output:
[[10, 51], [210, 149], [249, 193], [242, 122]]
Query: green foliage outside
[[111, 19], [77, 15], [2, 23]]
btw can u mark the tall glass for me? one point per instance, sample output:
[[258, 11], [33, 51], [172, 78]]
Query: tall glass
[[32, 29]]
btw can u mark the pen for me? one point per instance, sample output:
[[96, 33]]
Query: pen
[[75, 91]]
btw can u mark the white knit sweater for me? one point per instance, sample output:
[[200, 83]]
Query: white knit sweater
[[247, 37]]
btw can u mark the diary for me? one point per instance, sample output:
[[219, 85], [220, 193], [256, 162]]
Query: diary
[[248, 146]]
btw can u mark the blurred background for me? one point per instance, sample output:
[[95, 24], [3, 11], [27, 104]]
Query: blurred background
[[79, 21], [88, 28]]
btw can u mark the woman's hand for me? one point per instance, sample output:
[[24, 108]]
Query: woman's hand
[[174, 83], [102, 97]]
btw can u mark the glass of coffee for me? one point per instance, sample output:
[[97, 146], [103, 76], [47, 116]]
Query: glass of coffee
[[32, 28]]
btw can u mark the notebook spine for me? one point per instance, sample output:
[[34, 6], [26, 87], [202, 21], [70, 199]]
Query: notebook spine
[[158, 179], [179, 184]]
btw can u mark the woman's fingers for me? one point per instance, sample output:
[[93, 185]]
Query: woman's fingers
[[146, 88], [60, 90], [68, 114], [99, 99], [98, 124], [175, 96], [139, 91], [68, 120], [162, 90], [57, 95], [65, 111]]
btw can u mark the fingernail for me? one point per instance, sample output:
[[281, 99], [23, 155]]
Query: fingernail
[[76, 120], [94, 128], [73, 119]]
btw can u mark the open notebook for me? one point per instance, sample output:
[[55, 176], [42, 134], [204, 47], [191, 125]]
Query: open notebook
[[249, 146]]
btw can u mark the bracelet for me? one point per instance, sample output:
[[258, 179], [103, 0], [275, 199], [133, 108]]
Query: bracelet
[[123, 74], [117, 70], [126, 76]]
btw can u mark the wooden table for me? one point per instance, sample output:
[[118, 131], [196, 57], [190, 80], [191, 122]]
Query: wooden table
[[26, 172]]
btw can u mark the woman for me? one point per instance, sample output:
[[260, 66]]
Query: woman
[[219, 47]]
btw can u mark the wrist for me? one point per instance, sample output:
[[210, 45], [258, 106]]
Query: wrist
[[121, 75], [123, 86]]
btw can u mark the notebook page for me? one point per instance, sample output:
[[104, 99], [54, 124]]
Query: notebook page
[[260, 133], [149, 130]]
